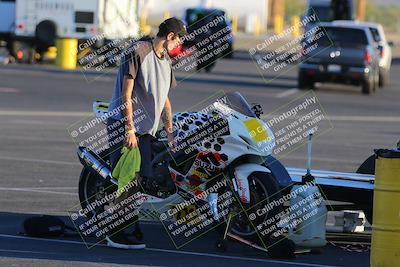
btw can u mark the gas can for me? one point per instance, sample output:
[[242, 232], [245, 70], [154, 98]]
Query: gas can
[[307, 216]]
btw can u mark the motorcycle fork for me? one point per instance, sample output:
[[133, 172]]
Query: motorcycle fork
[[221, 229]]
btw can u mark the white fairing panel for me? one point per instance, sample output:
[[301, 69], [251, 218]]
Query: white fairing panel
[[242, 172], [258, 136]]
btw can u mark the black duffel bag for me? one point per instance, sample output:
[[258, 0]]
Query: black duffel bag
[[45, 226]]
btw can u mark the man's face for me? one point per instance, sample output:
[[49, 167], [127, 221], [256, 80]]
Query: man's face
[[173, 41]]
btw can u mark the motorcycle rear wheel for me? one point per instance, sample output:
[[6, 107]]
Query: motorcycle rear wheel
[[93, 187]]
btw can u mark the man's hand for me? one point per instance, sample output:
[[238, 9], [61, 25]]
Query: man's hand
[[131, 141]]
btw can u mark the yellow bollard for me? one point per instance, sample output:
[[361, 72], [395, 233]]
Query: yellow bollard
[[278, 24], [385, 248], [167, 15], [144, 28], [66, 53], [296, 26], [234, 24], [257, 30]]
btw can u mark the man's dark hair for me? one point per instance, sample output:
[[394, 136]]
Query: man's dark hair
[[171, 25]]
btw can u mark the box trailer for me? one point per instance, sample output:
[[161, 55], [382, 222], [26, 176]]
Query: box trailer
[[38, 23]]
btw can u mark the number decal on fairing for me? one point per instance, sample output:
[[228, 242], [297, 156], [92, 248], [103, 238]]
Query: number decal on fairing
[[185, 214]]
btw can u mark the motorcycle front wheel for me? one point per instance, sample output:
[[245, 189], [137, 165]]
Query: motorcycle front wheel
[[264, 190]]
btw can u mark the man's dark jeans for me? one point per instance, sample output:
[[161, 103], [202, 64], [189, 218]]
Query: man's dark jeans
[[116, 142]]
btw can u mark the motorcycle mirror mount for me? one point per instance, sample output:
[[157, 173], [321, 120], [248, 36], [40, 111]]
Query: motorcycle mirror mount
[[257, 109]]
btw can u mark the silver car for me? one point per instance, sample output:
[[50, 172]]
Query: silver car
[[384, 47]]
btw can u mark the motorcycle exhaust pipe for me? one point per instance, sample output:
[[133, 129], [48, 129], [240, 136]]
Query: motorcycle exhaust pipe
[[95, 163]]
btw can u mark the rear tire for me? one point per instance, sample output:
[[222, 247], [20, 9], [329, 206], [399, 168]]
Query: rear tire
[[368, 86], [383, 78], [376, 82], [93, 187], [304, 84]]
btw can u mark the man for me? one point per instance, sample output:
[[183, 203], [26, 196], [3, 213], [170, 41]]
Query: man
[[139, 101]]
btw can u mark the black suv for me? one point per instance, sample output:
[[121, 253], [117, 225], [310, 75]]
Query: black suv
[[219, 36]]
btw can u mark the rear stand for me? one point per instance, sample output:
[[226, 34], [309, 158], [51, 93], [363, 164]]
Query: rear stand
[[224, 232]]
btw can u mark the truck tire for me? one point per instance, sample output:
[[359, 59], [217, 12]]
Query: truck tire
[[368, 86], [376, 81], [303, 83], [383, 78], [46, 33]]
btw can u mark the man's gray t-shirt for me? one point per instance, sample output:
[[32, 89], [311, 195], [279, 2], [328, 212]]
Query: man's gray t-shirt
[[153, 79]]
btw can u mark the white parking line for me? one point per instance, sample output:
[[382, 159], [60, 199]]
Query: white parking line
[[41, 161], [365, 118], [47, 188], [177, 252], [287, 93], [27, 251], [44, 113], [37, 191], [322, 159], [8, 90]]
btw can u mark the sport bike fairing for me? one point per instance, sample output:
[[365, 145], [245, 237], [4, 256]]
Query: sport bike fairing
[[232, 135]]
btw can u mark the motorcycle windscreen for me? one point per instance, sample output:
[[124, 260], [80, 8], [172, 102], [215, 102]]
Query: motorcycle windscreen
[[237, 102]]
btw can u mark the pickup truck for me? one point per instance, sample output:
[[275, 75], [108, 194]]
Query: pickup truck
[[344, 54]]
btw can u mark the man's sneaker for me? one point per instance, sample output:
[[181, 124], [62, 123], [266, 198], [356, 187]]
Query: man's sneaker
[[121, 241]]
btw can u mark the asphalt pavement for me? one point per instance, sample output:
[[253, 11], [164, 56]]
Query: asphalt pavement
[[39, 168]]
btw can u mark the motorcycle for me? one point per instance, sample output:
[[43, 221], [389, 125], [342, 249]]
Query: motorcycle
[[235, 152]]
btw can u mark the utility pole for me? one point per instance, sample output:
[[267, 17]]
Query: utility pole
[[276, 12], [361, 6]]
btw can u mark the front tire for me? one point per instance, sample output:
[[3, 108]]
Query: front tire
[[263, 190]]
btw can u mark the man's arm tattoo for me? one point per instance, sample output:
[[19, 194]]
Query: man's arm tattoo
[[167, 117]]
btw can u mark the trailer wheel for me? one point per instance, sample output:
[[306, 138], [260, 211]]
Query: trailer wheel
[[46, 32], [368, 167]]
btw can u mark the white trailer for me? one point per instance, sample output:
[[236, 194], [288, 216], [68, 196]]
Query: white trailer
[[38, 23]]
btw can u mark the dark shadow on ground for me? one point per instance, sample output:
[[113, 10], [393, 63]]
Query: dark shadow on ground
[[160, 250]]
